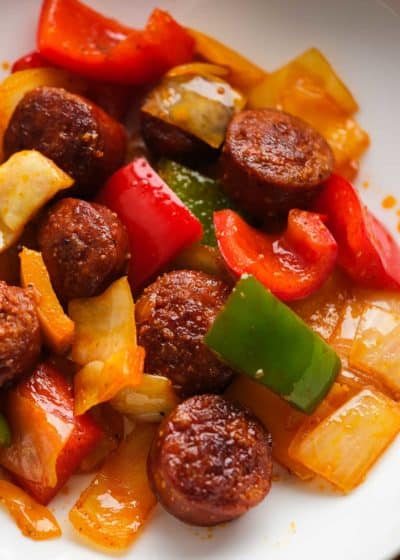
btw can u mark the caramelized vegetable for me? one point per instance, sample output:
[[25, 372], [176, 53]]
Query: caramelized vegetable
[[14, 87], [57, 327], [243, 73], [150, 401], [309, 88], [105, 345], [376, 347], [345, 445], [199, 104], [117, 504], [34, 520], [27, 181]]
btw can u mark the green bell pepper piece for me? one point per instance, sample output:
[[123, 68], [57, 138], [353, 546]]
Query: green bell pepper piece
[[200, 194], [5, 434], [257, 334]]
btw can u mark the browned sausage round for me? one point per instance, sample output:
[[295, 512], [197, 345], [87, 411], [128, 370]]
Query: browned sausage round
[[84, 246], [167, 140], [173, 315], [19, 332], [72, 131], [210, 461], [272, 162]]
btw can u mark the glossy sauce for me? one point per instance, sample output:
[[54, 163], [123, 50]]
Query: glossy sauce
[[33, 519]]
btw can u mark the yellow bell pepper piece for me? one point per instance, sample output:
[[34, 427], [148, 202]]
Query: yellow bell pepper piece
[[57, 327]]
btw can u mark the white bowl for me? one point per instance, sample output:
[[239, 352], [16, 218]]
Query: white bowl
[[362, 40]]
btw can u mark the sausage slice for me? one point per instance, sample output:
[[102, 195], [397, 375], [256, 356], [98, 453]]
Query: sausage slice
[[210, 461], [70, 130], [273, 162], [84, 246], [20, 340], [172, 316]]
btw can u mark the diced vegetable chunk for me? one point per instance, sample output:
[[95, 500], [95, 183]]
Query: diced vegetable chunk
[[105, 345], [309, 88], [200, 194], [376, 347], [57, 327], [344, 446], [34, 520], [150, 401], [74, 36], [199, 104], [115, 507], [292, 264], [48, 441], [258, 335], [367, 251], [27, 181], [313, 64], [158, 223]]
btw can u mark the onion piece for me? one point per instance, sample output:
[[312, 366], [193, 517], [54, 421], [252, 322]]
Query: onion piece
[[345, 445], [376, 347]]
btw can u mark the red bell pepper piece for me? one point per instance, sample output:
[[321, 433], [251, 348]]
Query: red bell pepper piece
[[159, 225], [292, 265], [31, 60], [75, 37], [367, 251], [48, 441]]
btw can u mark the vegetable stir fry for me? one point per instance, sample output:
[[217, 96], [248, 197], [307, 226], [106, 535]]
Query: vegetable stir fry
[[187, 298]]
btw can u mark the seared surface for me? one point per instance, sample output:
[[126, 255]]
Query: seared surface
[[173, 315], [272, 162], [84, 246], [210, 461], [70, 130], [19, 332]]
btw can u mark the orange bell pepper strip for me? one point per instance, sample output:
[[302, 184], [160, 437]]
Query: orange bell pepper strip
[[243, 74], [48, 441], [75, 37], [34, 520], [115, 507], [105, 346], [57, 327]]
